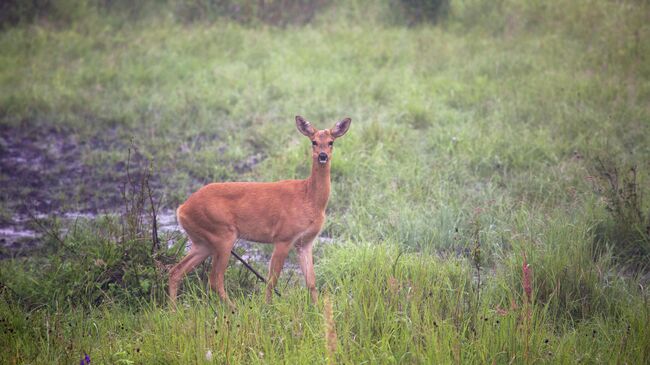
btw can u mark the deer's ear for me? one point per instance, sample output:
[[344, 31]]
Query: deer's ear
[[340, 128], [304, 126]]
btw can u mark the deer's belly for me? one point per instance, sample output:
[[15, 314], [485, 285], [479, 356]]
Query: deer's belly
[[270, 231]]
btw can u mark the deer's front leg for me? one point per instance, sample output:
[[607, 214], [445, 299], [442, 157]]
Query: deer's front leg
[[306, 261], [280, 252]]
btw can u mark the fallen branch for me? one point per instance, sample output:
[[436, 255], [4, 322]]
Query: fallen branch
[[249, 267]]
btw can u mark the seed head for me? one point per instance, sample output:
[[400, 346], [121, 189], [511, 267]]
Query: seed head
[[526, 279], [330, 330]]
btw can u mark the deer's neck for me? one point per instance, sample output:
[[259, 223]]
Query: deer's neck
[[318, 184]]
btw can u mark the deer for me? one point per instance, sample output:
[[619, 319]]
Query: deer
[[287, 214]]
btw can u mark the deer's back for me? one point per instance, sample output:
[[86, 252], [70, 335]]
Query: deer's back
[[262, 212]]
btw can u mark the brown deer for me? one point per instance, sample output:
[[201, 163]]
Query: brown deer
[[288, 213]]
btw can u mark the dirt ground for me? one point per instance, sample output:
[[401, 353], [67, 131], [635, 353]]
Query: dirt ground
[[44, 172], [48, 171]]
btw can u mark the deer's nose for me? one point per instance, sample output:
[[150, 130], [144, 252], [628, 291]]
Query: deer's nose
[[322, 157]]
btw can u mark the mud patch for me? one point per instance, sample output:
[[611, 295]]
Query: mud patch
[[42, 172], [16, 241], [46, 170], [70, 174], [24, 162], [247, 164]]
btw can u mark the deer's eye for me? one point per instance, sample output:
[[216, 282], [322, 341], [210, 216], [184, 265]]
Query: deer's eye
[[313, 143], [331, 143]]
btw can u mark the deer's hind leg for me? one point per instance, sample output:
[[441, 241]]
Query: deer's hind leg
[[197, 254], [222, 244]]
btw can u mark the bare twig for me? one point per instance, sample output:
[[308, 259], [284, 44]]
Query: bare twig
[[249, 267], [48, 232], [154, 222]]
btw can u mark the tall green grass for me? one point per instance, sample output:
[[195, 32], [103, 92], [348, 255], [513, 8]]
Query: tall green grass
[[388, 308]]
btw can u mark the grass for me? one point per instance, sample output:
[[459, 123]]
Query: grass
[[473, 143], [421, 310]]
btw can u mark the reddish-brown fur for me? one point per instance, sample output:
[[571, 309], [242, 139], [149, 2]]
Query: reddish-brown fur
[[285, 213]]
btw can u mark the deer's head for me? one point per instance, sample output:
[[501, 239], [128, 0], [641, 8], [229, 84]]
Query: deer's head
[[322, 141]]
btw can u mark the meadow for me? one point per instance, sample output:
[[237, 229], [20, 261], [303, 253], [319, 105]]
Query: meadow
[[489, 202]]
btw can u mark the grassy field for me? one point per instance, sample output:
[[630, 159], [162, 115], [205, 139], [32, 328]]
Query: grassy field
[[509, 133]]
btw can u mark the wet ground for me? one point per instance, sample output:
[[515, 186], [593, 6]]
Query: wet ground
[[17, 238], [46, 172], [43, 173]]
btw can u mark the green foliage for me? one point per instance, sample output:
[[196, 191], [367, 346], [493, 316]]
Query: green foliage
[[91, 265], [569, 279], [387, 308]]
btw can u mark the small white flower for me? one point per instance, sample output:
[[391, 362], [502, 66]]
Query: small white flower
[[208, 355]]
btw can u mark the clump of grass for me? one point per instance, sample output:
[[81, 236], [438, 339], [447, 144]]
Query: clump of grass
[[89, 266], [628, 231], [527, 286]]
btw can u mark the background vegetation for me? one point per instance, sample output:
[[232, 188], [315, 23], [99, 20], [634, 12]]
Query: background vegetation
[[488, 203]]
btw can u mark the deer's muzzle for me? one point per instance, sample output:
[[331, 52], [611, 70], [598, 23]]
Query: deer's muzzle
[[322, 157]]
